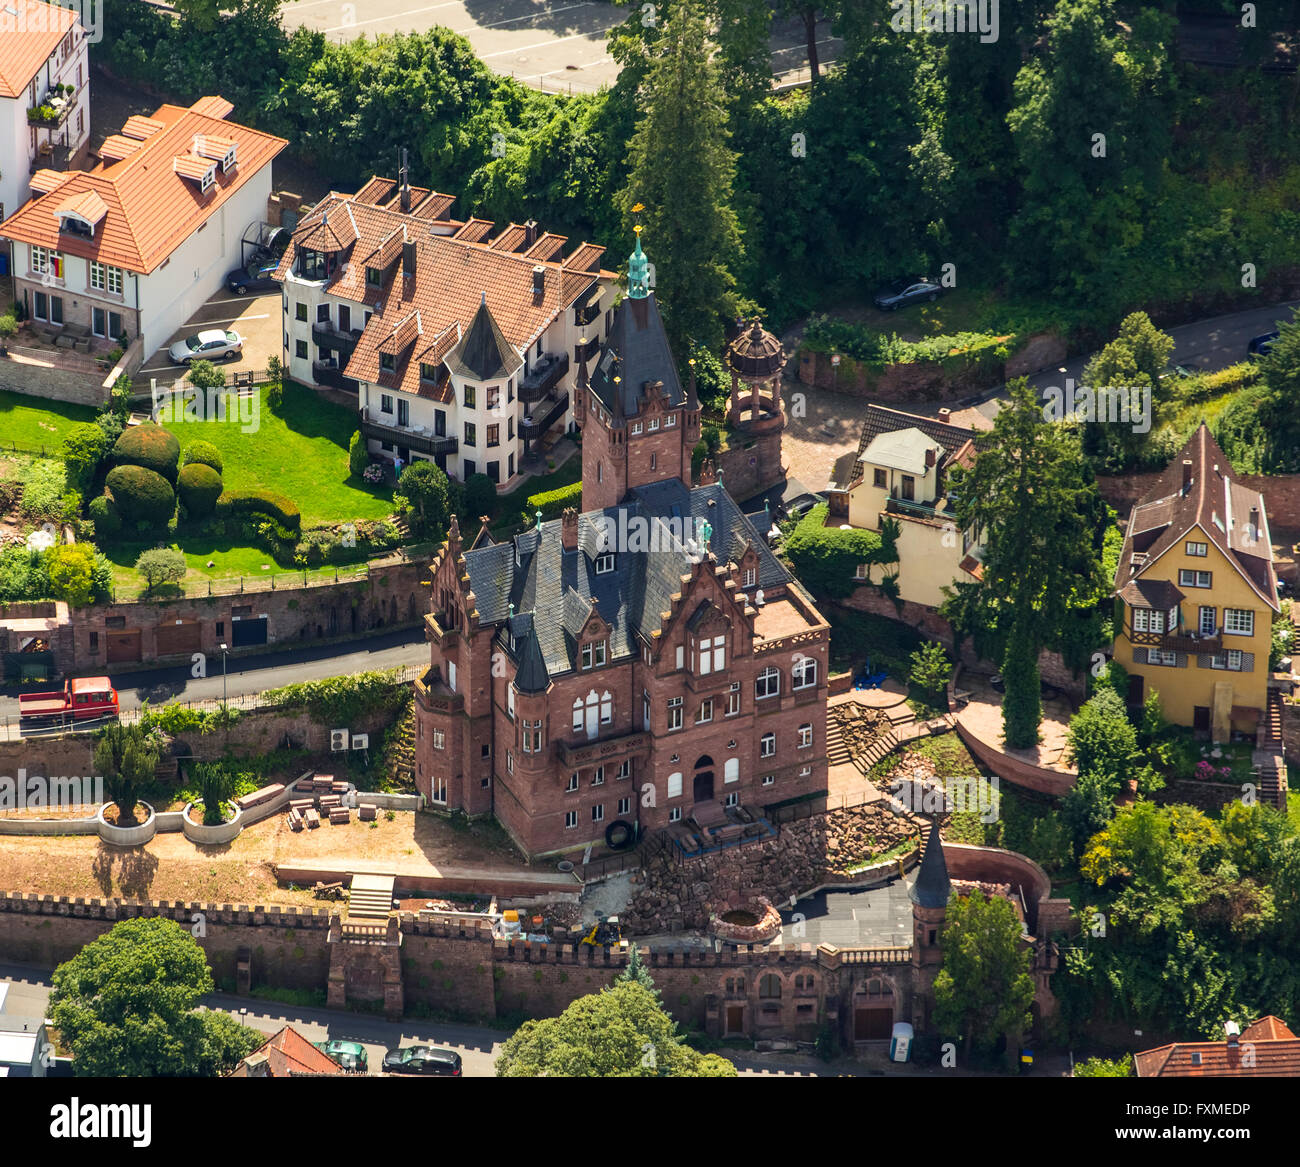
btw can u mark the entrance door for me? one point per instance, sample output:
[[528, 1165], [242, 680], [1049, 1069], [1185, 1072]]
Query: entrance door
[[703, 788], [1135, 684], [123, 647], [735, 1019], [248, 631], [345, 318], [1201, 717], [872, 1024]]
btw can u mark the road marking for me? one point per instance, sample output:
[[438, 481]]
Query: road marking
[[394, 16], [559, 40], [240, 300]]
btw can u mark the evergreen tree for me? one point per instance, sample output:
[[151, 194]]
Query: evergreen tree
[[127, 758], [682, 172], [1032, 494], [637, 973]]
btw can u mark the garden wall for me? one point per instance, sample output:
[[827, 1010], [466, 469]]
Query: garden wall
[[1281, 493], [75, 386]]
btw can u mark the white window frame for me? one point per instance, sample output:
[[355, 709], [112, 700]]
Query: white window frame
[[674, 713], [510, 701], [1210, 627], [805, 735], [1197, 550], [731, 771], [1191, 578], [573, 782], [1234, 616], [733, 699], [1163, 657], [670, 421], [800, 674], [767, 683], [674, 814], [706, 712], [605, 563], [570, 819], [767, 745], [439, 739]]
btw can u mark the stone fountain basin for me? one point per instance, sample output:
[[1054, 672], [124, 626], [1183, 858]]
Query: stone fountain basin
[[759, 908]]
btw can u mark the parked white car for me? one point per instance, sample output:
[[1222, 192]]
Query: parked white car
[[211, 345]]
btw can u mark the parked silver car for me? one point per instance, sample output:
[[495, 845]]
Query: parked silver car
[[210, 345]]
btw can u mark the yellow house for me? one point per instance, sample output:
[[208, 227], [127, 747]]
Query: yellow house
[[899, 472], [1197, 593]]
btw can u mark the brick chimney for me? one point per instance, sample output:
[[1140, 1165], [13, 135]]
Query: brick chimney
[[945, 415], [569, 528], [929, 457], [1187, 475], [539, 282]]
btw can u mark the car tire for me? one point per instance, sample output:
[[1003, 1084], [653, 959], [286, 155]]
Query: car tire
[[241, 291], [187, 362], [232, 355], [619, 835], [932, 297]]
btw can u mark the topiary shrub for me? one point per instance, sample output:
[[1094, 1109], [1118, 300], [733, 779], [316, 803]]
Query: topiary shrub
[[284, 511], [203, 454], [199, 487], [142, 495], [149, 446], [108, 519], [552, 502]]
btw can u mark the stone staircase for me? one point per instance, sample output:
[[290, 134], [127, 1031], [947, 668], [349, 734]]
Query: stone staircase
[[878, 749], [836, 751], [400, 762]]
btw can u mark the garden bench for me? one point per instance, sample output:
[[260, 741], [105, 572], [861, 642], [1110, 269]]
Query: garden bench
[[367, 812], [340, 814]]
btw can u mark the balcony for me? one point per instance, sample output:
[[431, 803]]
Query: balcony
[[51, 113], [1181, 641], [587, 753], [917, 510], [585, 315], [547, 414], [332, 376], [392, 435], [543, 377], [327, 336]]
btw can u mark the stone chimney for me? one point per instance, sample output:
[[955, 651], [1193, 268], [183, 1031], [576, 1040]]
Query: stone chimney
[[569, 528], [539, 282], [258, 1066], [945, 416], [929, 457]]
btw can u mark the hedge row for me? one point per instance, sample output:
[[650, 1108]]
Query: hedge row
[[260, 502], [825, 558], [874, 348], [552, 502]]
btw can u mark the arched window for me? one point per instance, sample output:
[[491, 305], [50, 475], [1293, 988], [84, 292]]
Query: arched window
[[731, 772], [595, 711], [770, 986]]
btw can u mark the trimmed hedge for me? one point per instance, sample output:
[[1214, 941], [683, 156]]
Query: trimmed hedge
[[260, 502], [203, 454], [141, 494], [103, 510], [199, 487], [150, 446], [825, 558], [552, 502]]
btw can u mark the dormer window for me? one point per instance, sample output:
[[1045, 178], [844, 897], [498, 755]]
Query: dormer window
[[593, 654], [74, 225], [751, 577], [374, 277], [387, 363], [604, 564]]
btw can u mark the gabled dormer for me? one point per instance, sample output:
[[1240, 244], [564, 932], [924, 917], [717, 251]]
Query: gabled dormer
[[81, 214]]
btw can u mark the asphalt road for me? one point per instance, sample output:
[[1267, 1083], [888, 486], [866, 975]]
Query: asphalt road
[[549, 44], [1204, 345], [252, 674]]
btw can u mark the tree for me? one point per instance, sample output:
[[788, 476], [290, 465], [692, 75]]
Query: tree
[[1033, 495], [1101, 739], [984, 989], [127, 757], [204, 375], [217, 784], [1132, 362], [71, 568], [1101, 1068], [358, 455], [636, 973], [1280, 371], [125, 1007], [480, 497], [161, 565], [930, 669], [423, 495], [622, 1032], [681, 172], [8, 329], [83, 450]]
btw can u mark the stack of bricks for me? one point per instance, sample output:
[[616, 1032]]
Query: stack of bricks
[[313, 819], [330, 801], [340, 814], [367, 812], [294, 819]]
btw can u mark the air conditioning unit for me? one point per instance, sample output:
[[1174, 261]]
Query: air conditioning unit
[[338, 739], [360, 741]]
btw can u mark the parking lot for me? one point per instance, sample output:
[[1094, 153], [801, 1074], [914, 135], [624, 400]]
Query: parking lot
[[255, 318]]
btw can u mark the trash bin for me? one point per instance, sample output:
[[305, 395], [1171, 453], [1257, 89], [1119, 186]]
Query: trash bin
[[900, 1044]]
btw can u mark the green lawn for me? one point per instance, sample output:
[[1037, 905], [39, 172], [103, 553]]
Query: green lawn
[[300, 452], [36, 422]]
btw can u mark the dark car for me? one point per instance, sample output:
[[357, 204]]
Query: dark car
[[256, 277], [1260, 345], [423, 1059], [351, 1055], [905, 292], [796, 508]]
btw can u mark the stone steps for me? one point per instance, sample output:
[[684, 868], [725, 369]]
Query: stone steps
[[878, 749]]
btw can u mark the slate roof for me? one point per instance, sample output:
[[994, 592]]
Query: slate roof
[[1213, 505], [636, 351], [877, 420], [932, 887], [531, 676], [555, 587], [1275, 1049], [483, 354]]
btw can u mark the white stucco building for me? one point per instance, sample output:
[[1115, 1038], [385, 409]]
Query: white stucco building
[[136, 245]]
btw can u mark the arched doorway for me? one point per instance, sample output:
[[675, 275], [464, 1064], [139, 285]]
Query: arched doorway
[[873, 1010], [702, 788]]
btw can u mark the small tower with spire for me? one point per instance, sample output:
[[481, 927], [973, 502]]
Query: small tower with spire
[[929, 893]]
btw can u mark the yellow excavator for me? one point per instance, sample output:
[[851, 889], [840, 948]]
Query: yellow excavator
[[604, 932]]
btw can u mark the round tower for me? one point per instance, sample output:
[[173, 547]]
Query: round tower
[[756, 361]]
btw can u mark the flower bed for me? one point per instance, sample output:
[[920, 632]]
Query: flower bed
[[197, 832], [132, 836]]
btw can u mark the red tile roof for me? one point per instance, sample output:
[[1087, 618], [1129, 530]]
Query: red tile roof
[[452, 274], [289, 1054], [152, 207], [1267, 1049], [29, 32], [118, 146], [88, 205], [213, 107]]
